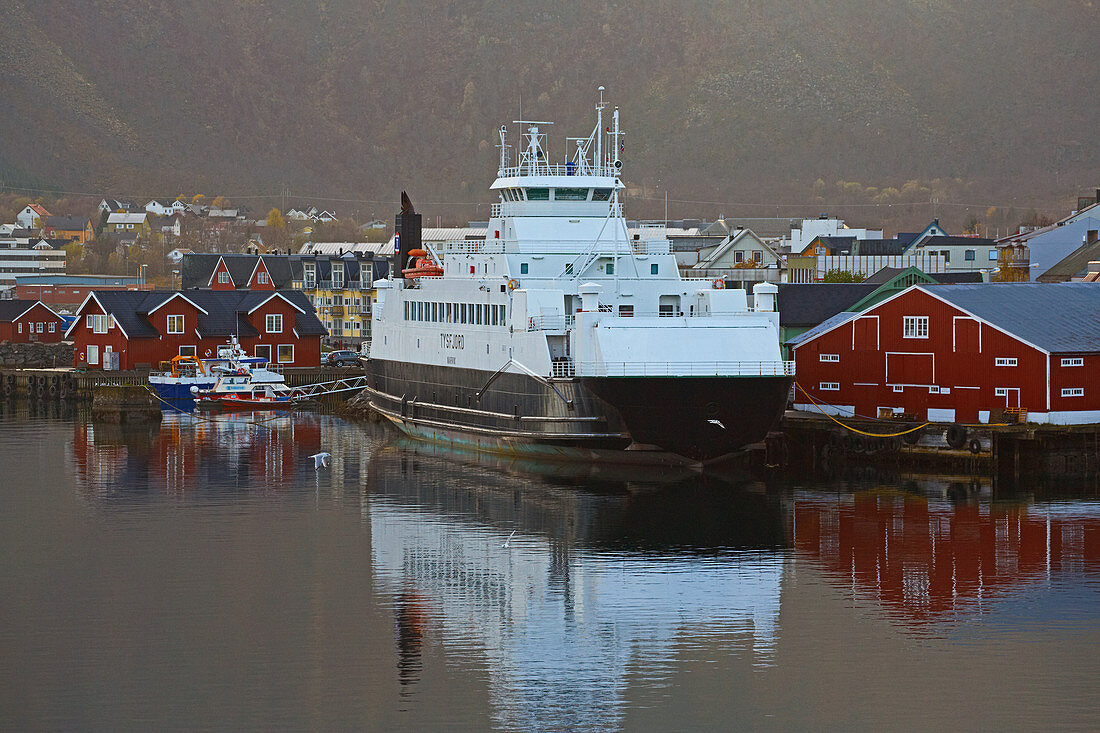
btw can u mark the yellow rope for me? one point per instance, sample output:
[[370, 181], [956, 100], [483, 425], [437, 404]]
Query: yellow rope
[[855, 430]]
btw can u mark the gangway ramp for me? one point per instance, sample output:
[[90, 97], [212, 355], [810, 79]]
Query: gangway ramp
[[322, 389]]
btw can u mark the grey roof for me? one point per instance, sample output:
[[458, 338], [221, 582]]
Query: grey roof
[[226, 310], [878, 247], [827, 324], [12, 309], [68, 223], [957, 241], [1056, 317], [958, 278], [811, 303], [1072, 265]]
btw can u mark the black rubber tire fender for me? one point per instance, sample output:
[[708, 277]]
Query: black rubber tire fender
[[975, 446], [955, 436]]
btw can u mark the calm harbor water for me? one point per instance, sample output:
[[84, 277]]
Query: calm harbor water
[[202, 573]]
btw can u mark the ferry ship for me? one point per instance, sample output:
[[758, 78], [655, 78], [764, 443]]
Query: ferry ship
[[560, 334]]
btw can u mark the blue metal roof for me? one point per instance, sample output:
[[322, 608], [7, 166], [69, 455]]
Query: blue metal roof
[[1056, 317]]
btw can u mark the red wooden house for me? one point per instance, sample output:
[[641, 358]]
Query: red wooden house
[[22, 321], [954, 353], [146, 328]]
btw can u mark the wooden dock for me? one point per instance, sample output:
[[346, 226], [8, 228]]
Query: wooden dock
[[1006, 451], [74, 385]]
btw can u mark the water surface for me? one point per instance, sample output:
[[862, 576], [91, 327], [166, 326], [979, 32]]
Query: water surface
[[202, 573]]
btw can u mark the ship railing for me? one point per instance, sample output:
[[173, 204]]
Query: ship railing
[[563, 368], [558, 322], [684, 368], [556, 169]]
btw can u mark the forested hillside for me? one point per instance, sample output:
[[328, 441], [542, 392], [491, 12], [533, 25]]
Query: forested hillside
[[736, 102]]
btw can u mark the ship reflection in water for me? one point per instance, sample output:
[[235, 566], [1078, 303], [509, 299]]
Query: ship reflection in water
[[578, 596], [567, 584]]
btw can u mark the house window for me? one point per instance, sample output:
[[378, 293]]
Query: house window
[[1005, 361], [20, 328], [738, 257], [757, 256], [263, 278], [523, 268], [1073, 392], [175, 324], [915, 327], [223, 277], [286, 353], [53, 328], [933, 389], [263, 351], [992, 255], [274, 322], [97, 323], [1000, 392], [898, 388], [969, 255], [829, 386], [1073, 361], [653, 269], [828, 357], [188, 351]]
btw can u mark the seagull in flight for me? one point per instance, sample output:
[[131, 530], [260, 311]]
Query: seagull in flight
[[320, 459], [509, 539]]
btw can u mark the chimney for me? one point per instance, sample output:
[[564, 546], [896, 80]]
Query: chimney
[[408, 227]]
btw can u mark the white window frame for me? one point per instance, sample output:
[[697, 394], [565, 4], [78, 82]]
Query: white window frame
[[1000, 391], [993, 255], [915, 327], [1005, 361], [189, 350], [1073, 361], [262, 278], [1073, 391], [176, 318], [223, 277], [274, 322], [828, 357], [53, 327], [898, 388], [279, 353], [829, 386]]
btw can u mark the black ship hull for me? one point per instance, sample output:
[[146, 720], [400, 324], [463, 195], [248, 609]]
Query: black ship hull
[[617, 418]]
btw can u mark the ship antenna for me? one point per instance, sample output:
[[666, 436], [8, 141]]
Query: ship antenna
[[599, 130]]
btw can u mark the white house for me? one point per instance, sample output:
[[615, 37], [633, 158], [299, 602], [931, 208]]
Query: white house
[[742, 248], [31, 216], [823, 226]]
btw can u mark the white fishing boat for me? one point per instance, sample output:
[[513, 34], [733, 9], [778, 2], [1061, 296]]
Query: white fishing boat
[[243, 386], [560, 334], [187, 371]]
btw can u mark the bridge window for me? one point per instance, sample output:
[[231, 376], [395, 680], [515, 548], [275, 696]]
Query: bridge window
[[571, 194], [653, 269], [601, 194], [538, 194], [610, 268], [523, 268]]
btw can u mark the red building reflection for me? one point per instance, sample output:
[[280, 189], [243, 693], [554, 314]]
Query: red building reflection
[[188, 453], [929, 559]]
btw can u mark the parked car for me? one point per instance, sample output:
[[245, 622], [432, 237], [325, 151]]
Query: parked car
[[341, 358]]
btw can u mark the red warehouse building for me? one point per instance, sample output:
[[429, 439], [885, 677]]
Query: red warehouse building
[[954, 353], [146, 328], [28, 320]]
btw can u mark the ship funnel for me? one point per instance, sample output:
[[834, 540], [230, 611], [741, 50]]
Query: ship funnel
[[407, 227], [764, 297]]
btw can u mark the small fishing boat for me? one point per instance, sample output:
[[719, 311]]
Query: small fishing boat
[[242, 387], [186, 371]]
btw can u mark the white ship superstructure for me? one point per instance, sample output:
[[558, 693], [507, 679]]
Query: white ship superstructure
[[561, 332]]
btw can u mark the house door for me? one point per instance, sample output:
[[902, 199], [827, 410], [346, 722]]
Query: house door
[[93, 354], [108, 358], [1011, 395]]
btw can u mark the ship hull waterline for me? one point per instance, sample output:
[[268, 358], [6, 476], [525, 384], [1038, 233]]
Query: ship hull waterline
[[622, 419]]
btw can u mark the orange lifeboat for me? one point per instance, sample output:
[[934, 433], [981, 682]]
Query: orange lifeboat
[[423, 265]]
